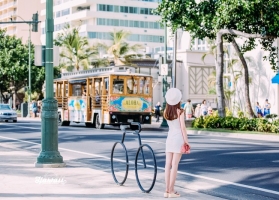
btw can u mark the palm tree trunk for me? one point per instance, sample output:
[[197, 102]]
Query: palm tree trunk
[[246, 79], [219, 75]]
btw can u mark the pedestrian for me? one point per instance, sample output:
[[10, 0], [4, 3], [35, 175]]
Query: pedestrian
[[189, 110], [157, 110], [258, 110], [84, 93], [34, 107], [203, 108], [177, 136], [39, 104], [97, 97], [267, 107], [209, 111], [198, 111]]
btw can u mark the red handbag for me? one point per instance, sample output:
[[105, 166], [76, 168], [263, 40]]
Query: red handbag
[[185, 148]]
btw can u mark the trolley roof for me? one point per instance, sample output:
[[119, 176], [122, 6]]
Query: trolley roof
[[123, 70]]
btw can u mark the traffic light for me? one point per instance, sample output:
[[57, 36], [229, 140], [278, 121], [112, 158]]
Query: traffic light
[[35, 24]]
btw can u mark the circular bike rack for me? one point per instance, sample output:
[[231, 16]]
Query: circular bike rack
[[140, 150], [112, 166], [136, 129]]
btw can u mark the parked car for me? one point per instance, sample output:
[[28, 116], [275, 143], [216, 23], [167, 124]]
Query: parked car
[[7, 113]]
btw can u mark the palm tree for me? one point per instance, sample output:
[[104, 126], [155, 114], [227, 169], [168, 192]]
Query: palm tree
[[120, 49], [76, 50], [212, 50]]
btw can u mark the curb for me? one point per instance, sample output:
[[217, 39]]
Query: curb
[[272, 138]]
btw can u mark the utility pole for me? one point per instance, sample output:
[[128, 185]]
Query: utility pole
[[29, 71], [49, 155], [174, 60], [164, 122]]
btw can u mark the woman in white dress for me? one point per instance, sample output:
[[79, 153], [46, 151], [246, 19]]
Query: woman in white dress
[[177, 136]]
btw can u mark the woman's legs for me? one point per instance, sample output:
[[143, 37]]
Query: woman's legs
[[169, 157], [157, 116], [174, 167]]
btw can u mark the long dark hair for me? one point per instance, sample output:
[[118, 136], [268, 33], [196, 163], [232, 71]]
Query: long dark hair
[[170, 112]]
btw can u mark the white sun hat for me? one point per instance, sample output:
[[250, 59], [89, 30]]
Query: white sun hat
[[173, 96]]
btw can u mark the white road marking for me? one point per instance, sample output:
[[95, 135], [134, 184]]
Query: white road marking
[[275, 161], [13, 126], [234, 141], [8, 126], [161, 168], [153, 141]]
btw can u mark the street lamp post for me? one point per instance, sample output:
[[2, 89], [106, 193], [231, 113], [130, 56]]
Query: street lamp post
[[29, 69], [49, 155], [164, 122]]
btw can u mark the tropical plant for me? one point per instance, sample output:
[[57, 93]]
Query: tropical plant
[[76, 51], [120, 49], [234, 123], [14, 67], [229, 18]]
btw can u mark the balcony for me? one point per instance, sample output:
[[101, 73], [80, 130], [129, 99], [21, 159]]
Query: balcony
[[7, 15], [8, 5]]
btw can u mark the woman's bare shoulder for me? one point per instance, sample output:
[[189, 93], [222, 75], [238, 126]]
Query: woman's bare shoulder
[[180, 111]]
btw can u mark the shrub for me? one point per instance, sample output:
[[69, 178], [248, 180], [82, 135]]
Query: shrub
[[233, 123]]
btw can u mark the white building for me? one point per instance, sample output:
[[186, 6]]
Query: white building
[[193, 75], [17, 11], [99, 17]]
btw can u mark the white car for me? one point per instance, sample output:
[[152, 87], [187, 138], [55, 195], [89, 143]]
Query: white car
[[7, 113]]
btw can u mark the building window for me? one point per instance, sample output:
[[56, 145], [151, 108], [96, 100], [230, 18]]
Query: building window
[[200, 45], [124, 9], [132, 37], [128, 23], [109, 8], [58, 14], [65, 12]]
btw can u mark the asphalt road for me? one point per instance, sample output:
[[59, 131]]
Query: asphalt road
[[223, 167]]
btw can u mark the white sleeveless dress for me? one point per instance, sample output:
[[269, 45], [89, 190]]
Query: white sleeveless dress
[[175, 139]]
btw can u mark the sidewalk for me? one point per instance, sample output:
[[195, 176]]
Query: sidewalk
[[20, 180], [19, 119]]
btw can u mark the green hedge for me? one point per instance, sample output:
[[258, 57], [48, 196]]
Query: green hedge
[[241, 124]]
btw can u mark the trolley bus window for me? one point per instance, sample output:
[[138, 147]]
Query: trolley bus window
[[118, 86], [144, 85], [77, 90], [132, 86], [98, 90], [106, 85]]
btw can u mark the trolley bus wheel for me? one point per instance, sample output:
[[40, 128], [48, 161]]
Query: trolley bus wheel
[[65, 123], [88, 124], [98, 125], [59, 119], [123, 162], [149, 161]]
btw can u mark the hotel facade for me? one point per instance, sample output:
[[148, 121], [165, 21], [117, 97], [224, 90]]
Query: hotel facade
[[16, 10], [100, 17]]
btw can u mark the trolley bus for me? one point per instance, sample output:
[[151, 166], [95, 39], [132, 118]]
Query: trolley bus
[[104, 96]]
